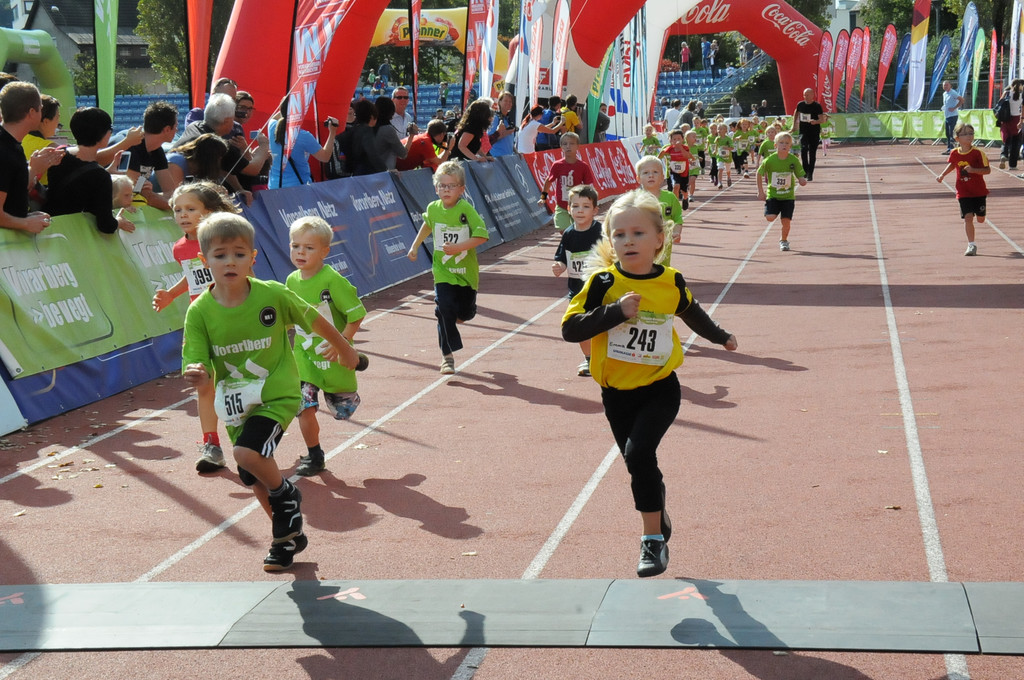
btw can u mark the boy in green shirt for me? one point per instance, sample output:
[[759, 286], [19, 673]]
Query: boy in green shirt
[[782, 170], [337, 301], [458, 229], [236, 334]]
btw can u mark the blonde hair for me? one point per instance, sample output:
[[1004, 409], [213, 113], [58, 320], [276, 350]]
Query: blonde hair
[[649, 160], [452, 168], [224, 226], [783, 136], [212, 195], [119, 182], [602, 255], [311, 224]]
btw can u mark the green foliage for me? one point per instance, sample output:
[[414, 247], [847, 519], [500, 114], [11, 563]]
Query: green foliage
[[162, 24], [83, 72]]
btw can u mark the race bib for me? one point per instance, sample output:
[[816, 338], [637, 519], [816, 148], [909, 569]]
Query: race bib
[[198, 276], [447, 233], [235, 399], [805, 118], [677, 167], [644, 339], [782, 181], [575, 264]]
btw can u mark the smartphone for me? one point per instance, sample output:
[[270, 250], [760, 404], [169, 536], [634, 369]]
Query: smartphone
[[138, 184], [126, 157], [253, 134]]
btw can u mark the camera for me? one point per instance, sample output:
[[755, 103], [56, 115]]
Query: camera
[[330, 122]]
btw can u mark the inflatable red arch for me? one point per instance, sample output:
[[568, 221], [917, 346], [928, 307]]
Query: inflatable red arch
[[775, 27]]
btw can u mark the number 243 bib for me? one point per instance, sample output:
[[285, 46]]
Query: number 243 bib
[[644, 339]]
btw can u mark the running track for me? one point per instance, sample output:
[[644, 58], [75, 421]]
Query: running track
[[868, 428]]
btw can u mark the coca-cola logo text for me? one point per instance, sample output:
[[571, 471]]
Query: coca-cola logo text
[[714, 12], [792, 28]]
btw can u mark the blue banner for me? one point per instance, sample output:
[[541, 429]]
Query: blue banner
[[503, 201], [372, 229], [902, 66], [520, 177], [942, 53], [968, 33]]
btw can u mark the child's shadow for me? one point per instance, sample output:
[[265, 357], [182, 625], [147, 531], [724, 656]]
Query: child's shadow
[[396, 496], [508, 385], [748, 632], [321, 609]]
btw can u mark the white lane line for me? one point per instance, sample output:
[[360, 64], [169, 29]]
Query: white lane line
[[956, 664], [988, 221]]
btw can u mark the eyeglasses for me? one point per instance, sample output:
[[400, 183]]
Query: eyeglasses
[[449, 187], [401, 96], [243, 110]]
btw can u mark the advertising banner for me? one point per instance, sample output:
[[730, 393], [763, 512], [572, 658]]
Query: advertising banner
[[58, 304], [918, 54], [902, 66], [864, 54], [968, 31], [839, 64], [942, 53], [853, 62], [979, 52], [885, 55], [503, 201], [519, 176], [824, 71]]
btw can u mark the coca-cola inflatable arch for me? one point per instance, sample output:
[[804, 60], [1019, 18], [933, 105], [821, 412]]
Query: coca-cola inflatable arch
[[775, 27]]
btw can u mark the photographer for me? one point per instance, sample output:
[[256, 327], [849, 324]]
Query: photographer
[[429, 149], [503, 128], [293, 170]]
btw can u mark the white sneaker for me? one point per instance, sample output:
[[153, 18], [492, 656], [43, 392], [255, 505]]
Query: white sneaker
[[783, 245], [971, 250], [448, 366]]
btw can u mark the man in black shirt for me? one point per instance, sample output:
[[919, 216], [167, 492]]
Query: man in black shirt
[[22, 109], [808, 118], [159, 125], [80, 184]]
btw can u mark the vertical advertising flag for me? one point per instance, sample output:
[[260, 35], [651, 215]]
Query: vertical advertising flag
[[839, 63], [415, 8], [853, 63], [559, 46], [885, 54], [489, 48], [992, 69], [865, 52], [105, 36], [824, 68], [968, 29], [942, 53], [902, 66], [199, 17], [315, 24], [979, 52], [918, 54], [536, 46], [597, 90], [476, 19], [1014, 31]]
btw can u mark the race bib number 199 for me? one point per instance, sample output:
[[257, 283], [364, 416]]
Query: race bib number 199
[[197, 275]]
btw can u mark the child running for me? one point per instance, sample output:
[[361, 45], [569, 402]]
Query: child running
[[782, 170], [678, 157], [650, 173], [626, 308], [191, 203], [564, 174], [458, 229], [574, 248], [971, 165], [337, 301], [236, 336]]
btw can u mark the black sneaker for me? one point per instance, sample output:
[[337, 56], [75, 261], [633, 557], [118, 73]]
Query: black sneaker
[[653, 558], [282, 555], [309, 466], [286, 515]]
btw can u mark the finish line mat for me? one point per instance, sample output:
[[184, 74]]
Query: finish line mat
[[681, 613]]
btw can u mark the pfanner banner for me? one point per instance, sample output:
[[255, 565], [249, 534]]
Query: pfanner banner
[[57, 304], [885, 55]]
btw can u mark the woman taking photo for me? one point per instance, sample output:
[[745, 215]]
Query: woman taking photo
[[293, 170]]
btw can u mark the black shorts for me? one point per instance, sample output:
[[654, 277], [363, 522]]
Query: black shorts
[[681, 180], [972, 205], [783, 207], [261, 434]]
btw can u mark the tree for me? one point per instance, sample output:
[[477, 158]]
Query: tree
[[83, 72], [162, 23]]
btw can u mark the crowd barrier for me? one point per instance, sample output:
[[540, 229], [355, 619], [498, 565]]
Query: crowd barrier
[[76, 323], [911, 125]]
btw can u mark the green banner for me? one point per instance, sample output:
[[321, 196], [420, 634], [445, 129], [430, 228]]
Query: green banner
[[911, 125], [72, 293], [105, 34]]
